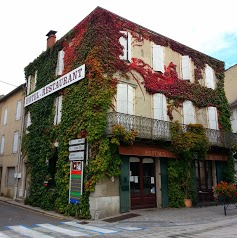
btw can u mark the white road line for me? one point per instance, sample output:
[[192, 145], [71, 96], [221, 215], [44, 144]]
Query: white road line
[[3, 235], [28, 232], [91, 228], [62, 230], [131, 228]]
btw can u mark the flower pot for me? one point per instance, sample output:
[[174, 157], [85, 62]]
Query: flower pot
[[188, 202]]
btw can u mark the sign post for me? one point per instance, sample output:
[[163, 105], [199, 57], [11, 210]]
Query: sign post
[[76, 157]]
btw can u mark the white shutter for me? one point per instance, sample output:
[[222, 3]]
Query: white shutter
[[209, 77], [158, 58], [188, 112], [59, 109], [15, 142], [28, 123], [5, 117], [130, 97], [28, 84], [60, 65], [18, 110], [186, 73], [122, 98], [159, 106], [213, 118], [126, 42], [36, 74], [2, 145]]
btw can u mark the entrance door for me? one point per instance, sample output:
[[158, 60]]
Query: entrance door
[[142, 183], [204, 180]]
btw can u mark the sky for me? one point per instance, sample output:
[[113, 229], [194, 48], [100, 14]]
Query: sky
[[209, 26]]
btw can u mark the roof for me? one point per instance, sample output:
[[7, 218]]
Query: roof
[[231, 67], [22, 86], [233, 104]]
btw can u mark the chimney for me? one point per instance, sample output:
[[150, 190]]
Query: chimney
[[51, 38]]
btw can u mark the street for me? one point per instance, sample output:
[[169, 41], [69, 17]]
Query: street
[[17, 222]]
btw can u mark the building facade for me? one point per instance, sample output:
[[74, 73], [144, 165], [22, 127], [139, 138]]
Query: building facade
[[141, 103], [11, 106]]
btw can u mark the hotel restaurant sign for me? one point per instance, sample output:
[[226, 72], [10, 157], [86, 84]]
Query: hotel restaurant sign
[[60, 83]]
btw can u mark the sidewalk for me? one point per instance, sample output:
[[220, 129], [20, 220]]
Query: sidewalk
[[156, 216]]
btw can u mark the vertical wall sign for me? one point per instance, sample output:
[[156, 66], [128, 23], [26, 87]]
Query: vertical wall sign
[[76, 157]]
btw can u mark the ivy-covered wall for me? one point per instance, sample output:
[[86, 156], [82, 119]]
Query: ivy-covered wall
[[95, 43]]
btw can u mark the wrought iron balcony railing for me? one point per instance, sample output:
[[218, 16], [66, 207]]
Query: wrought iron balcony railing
[[148, 128]]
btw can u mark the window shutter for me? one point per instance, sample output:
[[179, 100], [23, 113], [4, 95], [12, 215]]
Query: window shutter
[[15, 142], [36, 74], [122, 98], [28, 84], [2, 145], [59, 109], [60, 65], [213, 118], [28, 123], [158, 58], [209, 77], [18, 110], [188, 112], [126, 42], [186, 73], [5, 117], [159, 107]]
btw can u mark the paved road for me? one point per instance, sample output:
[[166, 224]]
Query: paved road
[[205, 222]]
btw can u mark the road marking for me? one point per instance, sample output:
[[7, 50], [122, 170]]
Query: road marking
[[91, 228], [131, 228], [28, 232], [3, 235], [62, 230]]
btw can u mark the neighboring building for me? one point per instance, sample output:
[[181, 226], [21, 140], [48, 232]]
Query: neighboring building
[[11, 112], [230, 90], [134, 78]]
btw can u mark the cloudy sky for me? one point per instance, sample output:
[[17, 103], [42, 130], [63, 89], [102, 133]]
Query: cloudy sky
[[209, 26]]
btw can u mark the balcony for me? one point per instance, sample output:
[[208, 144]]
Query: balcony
[[148, 128]]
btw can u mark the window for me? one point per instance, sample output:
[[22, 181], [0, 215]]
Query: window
[[5, 117], [159, 107], [10, 177], [188, 113], [2, 145], [28, 122], [35, 81], [125, 41], [18, 110], [125, 96], [15, 142], [209, 77], [212, 118], [186, 69], [58, 110], [158, 58], [60, 63]]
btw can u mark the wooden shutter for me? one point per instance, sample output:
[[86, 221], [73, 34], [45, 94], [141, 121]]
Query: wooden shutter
[[159, 106], [130, 97], [213, 118], [5, 117], [188, 113], [2, 145], [18, 110], [158, 58], [60, 65], [209, 77], [59, 109], [15, 142], [122, 98], [125, 41], [186, 73]]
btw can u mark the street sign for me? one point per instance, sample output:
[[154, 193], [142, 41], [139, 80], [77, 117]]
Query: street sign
[[77, 147], [76, 156], [77, 141]]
